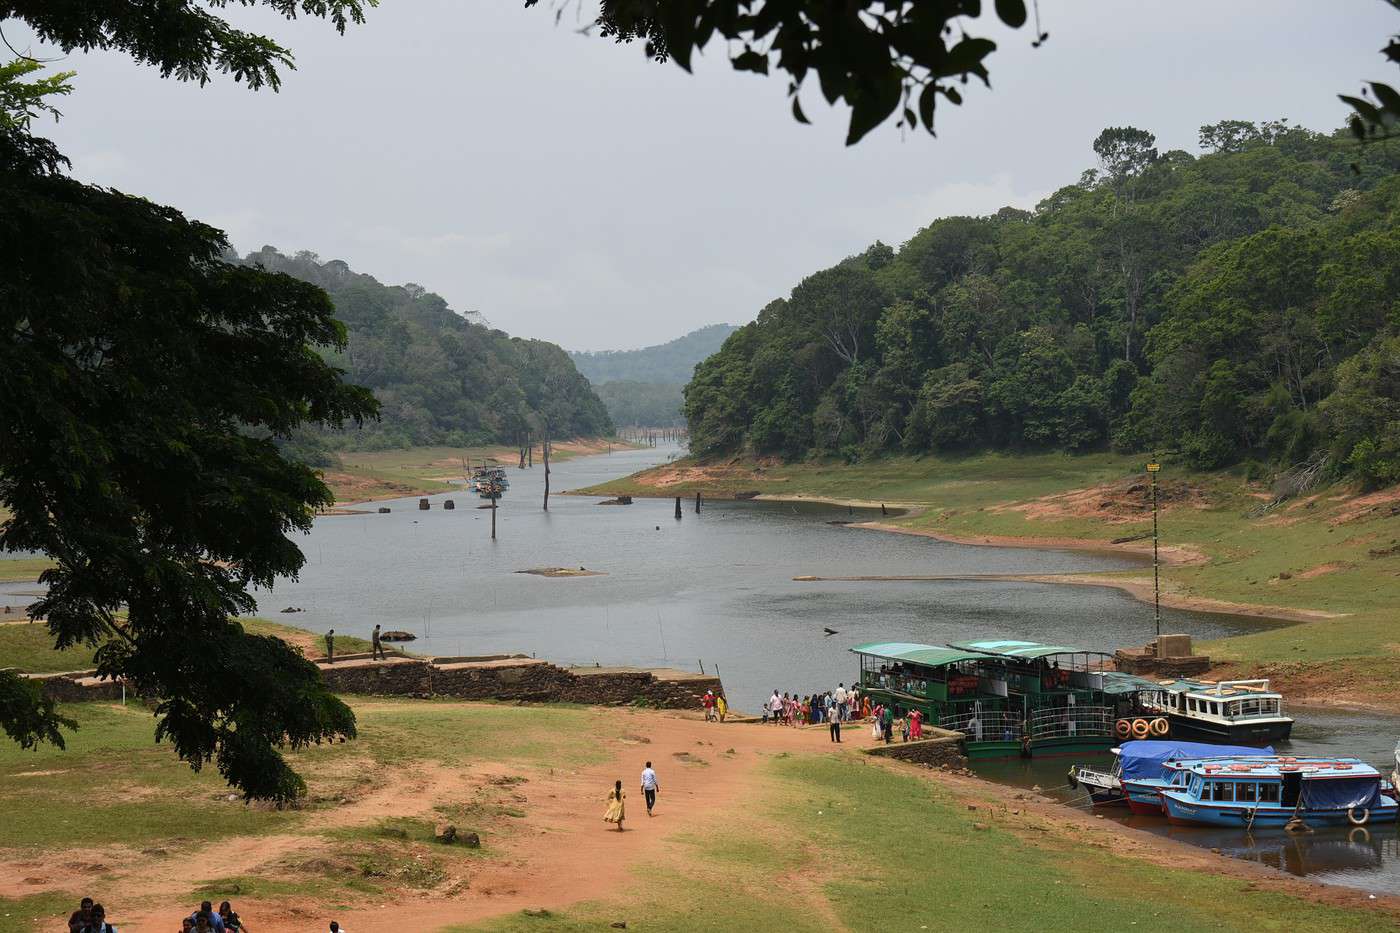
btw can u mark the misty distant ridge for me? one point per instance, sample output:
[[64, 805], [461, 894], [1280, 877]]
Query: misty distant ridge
[[670, 362], [643, 387]]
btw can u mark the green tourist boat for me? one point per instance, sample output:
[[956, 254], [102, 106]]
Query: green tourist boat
[[1006, 697]]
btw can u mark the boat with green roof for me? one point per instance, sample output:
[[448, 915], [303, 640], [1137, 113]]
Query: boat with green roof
[[1006, 697]]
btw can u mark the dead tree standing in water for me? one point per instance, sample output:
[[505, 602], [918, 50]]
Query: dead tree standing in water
[[544, 452]]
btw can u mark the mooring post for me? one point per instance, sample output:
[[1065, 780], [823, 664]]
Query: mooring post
[[678, 507], [493, 516], [697, 502], [702, 665]]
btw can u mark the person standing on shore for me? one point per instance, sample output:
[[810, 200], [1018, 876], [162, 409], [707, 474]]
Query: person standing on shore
[[376, 647], [887, 724], [835, 728], [840, 696], [775, 707], [721, 707], [330, 646], [615, 811], [649, 787]]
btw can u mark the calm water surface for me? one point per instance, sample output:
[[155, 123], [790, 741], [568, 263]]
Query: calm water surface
[[715, 587]]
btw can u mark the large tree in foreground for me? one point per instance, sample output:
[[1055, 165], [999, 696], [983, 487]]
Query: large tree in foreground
[[144, 382]]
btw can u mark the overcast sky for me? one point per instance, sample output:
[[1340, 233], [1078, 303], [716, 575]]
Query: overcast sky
[[569, 189]]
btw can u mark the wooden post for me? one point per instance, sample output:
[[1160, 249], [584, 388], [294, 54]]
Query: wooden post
[[493, 515], [702, 665], [697, 502], [544, 451], [882, 509], [678, 508]]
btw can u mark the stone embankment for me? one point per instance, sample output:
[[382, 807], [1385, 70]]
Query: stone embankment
[[941, 749], [496, 677]]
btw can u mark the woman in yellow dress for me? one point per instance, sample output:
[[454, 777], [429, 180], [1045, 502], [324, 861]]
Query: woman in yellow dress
[[614, 812]]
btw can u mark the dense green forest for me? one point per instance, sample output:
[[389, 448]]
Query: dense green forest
[[643, 387], [1240, 305], [440, 378]]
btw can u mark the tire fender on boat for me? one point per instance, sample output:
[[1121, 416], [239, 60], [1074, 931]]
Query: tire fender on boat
[[1362, 819]]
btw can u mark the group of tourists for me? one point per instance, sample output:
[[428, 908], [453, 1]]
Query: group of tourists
[[715, 705], [91, 917], [843, 704], [617, 799]]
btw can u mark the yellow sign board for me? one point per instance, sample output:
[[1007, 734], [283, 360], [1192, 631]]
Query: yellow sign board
[[1153, 467]]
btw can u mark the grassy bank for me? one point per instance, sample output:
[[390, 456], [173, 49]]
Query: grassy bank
[[784, 832], [22, 569], [835, 843], [1332, 552], [29, 646]]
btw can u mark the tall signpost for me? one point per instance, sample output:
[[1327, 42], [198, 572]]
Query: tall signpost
[[1152, 470]]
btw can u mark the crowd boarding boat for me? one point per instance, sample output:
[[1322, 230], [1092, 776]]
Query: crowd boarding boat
[[1142, 769], [1260, 792]]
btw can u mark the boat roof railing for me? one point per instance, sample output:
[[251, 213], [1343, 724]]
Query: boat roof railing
[[914, 653], [1023, 650]]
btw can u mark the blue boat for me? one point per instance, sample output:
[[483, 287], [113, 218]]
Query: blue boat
[[1147, 768], [1144, 768], [1264, 792]]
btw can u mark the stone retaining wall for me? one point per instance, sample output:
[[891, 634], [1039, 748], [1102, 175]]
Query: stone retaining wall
[[498, 678], [931, 753]]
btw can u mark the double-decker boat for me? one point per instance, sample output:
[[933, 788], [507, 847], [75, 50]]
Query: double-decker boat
[[1261, 792], [1142, 769], [1006, 697]]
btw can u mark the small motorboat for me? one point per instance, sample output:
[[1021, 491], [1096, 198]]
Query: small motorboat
[[1277, 792], [1141, 769]]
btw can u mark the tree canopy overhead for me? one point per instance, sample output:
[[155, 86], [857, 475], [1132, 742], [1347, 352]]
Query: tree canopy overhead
[[185, 39]]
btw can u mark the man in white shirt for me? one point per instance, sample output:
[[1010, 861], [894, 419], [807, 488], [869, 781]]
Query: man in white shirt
[[841, 701], [649, 786], [775, 707]]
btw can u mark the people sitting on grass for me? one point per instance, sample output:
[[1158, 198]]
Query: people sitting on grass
[[230, 917]]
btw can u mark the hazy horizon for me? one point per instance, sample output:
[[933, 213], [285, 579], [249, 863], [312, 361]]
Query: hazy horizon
[[571, 190]]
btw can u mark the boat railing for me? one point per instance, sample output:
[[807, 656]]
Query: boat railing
[[985, 725], [1086, 774], [1070, 722]]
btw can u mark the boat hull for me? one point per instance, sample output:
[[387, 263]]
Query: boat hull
[[1238, 733], [1143, 798], [1186, 811]]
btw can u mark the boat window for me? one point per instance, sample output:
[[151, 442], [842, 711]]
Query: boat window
[[1245, 792], [1191, 704], [1196, 787], [1225, 790], [1268, 793], [1214, 709]]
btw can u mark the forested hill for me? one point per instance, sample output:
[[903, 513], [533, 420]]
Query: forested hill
[[440, 377], [643, 387], [673, 361], [1240, 305]]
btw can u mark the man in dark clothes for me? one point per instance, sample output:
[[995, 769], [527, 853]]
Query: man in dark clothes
[[375, 648], [82, 916], [887, 723], [330, 646]]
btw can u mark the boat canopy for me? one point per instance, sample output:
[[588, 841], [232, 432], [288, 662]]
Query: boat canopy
[[1342, 793], [1021, 649], [1144, 760], [1117, 682], [913, 653]]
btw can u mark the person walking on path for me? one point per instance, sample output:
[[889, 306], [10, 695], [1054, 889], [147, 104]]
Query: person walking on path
[[840, 697], [775, 707], [649, 787], [708, 701], [615, 811], [835, 728], [721, 707], [887, 724], [330, 646], [376, 647], [916, 725]]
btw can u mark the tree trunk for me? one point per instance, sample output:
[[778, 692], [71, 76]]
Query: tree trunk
[[544, 451]]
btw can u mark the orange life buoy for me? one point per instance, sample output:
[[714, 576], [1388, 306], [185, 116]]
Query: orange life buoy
[[1141, 728], [1123, 728], [1341, 767], [1160, 726]]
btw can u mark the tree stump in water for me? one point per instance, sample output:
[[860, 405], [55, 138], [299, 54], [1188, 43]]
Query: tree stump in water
[[423, 505], [449, 505]]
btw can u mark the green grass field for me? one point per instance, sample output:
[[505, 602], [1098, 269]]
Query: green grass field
[[22, 569], [1329, 551], [835, 842]]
